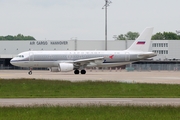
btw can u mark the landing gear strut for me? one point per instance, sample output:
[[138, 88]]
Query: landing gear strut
[[30, 72]]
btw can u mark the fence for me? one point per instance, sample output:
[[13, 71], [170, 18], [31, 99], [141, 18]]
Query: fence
[[131, 67], [159, 67]]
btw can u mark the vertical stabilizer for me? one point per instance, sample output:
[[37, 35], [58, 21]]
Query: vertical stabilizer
[[142, 43]]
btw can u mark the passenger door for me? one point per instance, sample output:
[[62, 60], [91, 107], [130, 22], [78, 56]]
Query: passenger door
[[31, 56]]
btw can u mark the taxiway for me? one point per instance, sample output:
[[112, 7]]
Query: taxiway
[[163, 77]]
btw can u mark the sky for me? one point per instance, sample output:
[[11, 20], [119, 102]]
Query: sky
[[85, 19]]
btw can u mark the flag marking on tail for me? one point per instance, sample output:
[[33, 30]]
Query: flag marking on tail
[[140, 42]]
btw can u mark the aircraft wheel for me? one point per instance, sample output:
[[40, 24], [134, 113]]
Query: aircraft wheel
[[30, 72], [83, 71], [76, 71]]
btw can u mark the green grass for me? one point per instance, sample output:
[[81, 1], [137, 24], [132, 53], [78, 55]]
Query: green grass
[[27, 88], [31, 88], [90, 113]]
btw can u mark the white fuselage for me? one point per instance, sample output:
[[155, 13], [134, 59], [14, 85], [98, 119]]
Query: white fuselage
[[53, 58]]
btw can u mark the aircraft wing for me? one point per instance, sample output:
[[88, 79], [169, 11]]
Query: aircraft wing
[[87, 61]]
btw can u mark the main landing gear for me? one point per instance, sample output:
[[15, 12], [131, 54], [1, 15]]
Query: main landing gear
[[77, 71]]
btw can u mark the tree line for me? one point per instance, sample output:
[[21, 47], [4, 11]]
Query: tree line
[[17, 37], [128, 36], [158, 36]]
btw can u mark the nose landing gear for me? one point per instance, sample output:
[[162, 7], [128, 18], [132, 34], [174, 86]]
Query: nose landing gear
[[30, 72]]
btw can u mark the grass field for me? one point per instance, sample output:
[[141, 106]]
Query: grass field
[[27, 88], [90, 113], [31, 88]]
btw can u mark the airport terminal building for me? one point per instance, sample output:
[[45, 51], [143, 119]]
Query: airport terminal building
[[167, 50]]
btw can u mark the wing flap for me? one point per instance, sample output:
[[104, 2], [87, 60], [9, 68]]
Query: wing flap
[[86, 61]]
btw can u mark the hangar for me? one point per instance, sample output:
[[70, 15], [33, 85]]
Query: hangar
[[167, 50]]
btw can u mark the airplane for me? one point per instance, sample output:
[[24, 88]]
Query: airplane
[[65, 61]]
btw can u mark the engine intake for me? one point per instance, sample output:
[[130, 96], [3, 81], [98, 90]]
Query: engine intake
[[65, 67]]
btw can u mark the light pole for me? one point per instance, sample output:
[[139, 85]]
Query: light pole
[[107, 3], [178, 32], [75, 42]]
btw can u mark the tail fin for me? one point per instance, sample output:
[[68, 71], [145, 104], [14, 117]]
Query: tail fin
[[142, 43]]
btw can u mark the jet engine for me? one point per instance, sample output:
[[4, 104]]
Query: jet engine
[[62, 67]]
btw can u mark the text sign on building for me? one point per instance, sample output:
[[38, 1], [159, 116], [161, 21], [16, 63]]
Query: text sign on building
[[48, 43]]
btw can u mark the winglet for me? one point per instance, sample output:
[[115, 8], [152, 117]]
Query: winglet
[[142, 43]]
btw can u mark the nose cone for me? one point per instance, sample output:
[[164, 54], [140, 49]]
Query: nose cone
[[17, 62], [12, 61]]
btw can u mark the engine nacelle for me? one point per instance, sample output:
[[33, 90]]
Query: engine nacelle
[[65, 67], [62, 67]]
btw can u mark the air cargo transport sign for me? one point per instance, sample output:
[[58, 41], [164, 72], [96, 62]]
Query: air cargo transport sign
[[49, 43]]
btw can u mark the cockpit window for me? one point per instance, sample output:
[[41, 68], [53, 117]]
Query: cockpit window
[[20, 56]]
